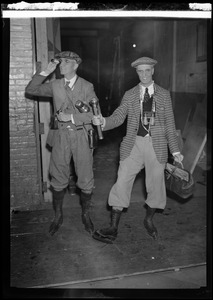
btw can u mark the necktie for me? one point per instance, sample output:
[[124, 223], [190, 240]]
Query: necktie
[[67, 84], [146, 95], [69, 100]]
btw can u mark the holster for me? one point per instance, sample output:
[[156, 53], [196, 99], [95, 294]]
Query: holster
[[53, 126], [92, 138], [53, 122]]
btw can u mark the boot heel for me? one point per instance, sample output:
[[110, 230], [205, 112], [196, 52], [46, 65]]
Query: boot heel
[[108, 235], [104, 239]]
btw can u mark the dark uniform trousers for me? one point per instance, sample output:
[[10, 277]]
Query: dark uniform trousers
[[69, 142]]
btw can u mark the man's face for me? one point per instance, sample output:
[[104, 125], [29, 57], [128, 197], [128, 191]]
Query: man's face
[[67, 66], [145, 73]]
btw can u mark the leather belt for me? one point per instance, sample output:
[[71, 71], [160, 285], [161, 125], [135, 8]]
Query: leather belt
[[69, 125]]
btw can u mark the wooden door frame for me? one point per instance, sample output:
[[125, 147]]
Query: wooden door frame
[[45, 36]]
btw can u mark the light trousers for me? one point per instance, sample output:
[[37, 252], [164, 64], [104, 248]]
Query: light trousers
[[141, 156]]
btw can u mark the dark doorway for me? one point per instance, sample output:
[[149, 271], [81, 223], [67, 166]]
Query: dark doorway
[[106, 48]]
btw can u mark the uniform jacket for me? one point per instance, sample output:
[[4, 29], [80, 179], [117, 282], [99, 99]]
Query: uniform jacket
[[163, 133], [83, 90]]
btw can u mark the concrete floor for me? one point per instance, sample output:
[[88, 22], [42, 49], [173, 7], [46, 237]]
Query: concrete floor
[[71, 260]]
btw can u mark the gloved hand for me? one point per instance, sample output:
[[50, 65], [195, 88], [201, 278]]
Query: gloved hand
[[63, 117], [81, 118], [51, 67], [178, 157], [98, 120]]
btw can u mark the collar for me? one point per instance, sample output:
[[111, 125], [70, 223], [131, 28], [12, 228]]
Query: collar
[[150, 88], [72, 81]]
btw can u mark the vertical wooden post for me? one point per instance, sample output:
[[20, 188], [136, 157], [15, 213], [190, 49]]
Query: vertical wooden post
[[47, 34], [43, 104], [36, 120]]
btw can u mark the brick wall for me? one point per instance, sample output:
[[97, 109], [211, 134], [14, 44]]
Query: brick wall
[[24, 180]]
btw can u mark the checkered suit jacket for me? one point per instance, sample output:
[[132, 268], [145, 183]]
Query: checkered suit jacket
[[163, 132]]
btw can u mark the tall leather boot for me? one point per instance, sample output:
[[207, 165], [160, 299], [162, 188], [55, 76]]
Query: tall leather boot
[[108, 235], [86, 204], [148, 223], [58, 197]]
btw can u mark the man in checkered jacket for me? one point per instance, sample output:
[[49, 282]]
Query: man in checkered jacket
[[150, 131]]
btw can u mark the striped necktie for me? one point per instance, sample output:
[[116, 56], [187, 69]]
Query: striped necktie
[[146, 95]]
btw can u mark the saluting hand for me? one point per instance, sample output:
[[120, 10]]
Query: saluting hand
[[51, 66]]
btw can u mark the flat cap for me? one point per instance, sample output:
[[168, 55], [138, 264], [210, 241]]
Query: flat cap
[[70, 55], [143, 61]]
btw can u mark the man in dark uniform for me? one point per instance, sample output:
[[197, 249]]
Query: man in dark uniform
[[150, 131], [70, 140]]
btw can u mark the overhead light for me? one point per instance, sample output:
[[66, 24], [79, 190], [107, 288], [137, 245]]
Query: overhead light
[[134, 45]]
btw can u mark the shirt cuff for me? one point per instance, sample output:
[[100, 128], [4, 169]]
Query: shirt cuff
[[72, 119], [43, 73], [104, 123], [175, 153]]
